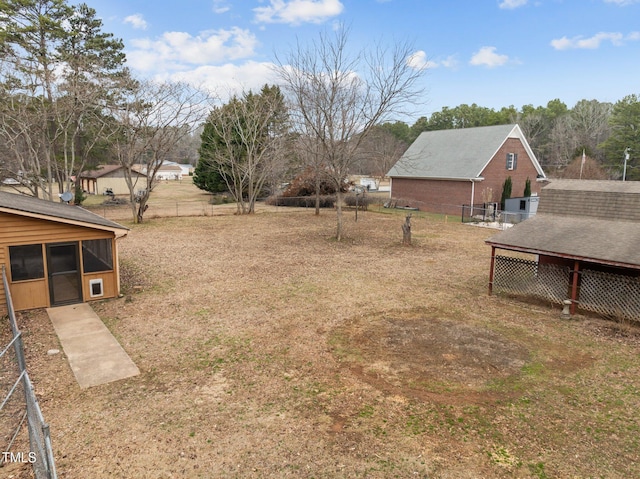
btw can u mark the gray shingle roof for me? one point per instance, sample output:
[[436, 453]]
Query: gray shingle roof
[[60, 211], [598, 199], [591, 220], [100, 171], [460, 153]]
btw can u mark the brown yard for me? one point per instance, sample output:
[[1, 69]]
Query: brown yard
[[267, 349]]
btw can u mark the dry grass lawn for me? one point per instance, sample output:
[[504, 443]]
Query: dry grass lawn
[[267, 349]]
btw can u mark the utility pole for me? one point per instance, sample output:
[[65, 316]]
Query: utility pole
[[626, 158]]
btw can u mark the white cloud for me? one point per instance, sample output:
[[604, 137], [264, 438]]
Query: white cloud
[[179, 50], [419, 61], [511, 4], [593, 42], [137, 21], [220, 6], [488, 57], [449, 62], [226, 80], [298, 11], [622, 3]]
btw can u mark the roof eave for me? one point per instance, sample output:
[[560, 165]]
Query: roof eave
[[118, 232], [556, 254], [441, 178]]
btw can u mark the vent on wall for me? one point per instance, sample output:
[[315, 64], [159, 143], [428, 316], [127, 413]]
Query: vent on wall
[[95, 288]]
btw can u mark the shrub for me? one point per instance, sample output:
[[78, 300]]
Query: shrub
[[326, 201], [361, 201]]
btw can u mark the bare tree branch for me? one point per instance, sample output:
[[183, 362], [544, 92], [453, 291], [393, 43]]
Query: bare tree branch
[[337, 97]]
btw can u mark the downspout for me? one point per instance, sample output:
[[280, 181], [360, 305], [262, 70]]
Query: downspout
[[473, 191]]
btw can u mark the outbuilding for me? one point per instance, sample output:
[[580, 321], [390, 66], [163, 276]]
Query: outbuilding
[[54, 254], [581, 247]]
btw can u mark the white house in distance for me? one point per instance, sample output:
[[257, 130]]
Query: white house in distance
[[170, 171]]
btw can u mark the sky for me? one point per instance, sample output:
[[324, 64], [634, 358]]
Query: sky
[[494, 53]]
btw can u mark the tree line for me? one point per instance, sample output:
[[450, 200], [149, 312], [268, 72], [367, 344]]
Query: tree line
[[68, 103]]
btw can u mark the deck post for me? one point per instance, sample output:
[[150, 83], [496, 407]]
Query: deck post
[[574, 286], [491, 269]]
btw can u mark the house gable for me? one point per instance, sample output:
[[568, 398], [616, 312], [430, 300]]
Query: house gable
[[457, 154], [496, 172]]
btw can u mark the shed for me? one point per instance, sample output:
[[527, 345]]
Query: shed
[[443, 170], [110, 178], [583, 244], [56, 254]]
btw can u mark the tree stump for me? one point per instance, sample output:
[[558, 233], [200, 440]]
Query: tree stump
[[406, 230]]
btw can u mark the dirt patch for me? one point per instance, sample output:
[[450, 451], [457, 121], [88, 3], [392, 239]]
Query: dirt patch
[[427, 357]]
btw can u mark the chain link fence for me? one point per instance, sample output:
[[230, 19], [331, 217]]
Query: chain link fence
[[19, 403], [489, 213]]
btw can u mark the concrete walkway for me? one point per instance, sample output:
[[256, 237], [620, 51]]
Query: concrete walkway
[[95, 356]]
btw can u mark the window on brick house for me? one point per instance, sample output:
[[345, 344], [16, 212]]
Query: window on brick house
[[512, 161]]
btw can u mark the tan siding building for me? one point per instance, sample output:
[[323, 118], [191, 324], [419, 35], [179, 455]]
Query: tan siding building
[[110, 177], [55, 254]]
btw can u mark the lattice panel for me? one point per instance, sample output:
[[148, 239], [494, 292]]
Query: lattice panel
[[610, 294], [529, 278]]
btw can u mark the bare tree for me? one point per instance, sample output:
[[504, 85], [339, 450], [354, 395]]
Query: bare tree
[[245, 141], [582, 129], [337, 97], [24, 141], [153, 119], [378, 153], [30, 35]]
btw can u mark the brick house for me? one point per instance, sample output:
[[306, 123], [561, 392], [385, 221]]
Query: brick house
[[443, 170]]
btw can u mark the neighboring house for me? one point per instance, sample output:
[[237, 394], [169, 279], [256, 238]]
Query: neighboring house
[[110, 178], [187, 169], [169, 171], [443, 170], [583, 244], [55, 254]]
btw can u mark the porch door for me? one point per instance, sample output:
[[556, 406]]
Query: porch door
[[65, 282]]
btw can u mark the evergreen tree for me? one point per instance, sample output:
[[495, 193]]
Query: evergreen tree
[[625, 133], [506, 191]]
